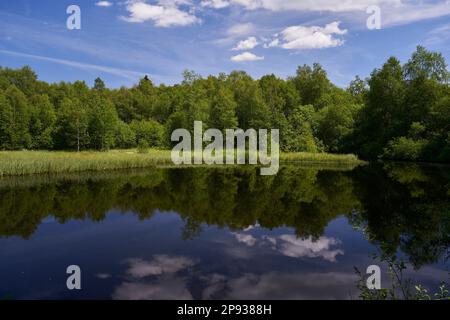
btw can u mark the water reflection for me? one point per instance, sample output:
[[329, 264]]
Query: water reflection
[[407, 208], [306, 199], [243, 236]]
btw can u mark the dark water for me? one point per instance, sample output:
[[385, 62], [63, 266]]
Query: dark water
[[222, 233]]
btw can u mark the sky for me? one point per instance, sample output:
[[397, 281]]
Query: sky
[[123, 40]]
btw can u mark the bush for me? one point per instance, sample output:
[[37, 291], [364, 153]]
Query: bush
[[404, 149], [304, 140], [149, 132], [125, 136]]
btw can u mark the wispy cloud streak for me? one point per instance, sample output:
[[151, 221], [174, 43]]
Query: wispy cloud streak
[[128, 74]]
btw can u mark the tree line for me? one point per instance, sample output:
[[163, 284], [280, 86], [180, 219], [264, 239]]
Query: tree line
[[400, 112]]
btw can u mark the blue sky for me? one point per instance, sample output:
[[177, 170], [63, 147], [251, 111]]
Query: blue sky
[[122, 40]]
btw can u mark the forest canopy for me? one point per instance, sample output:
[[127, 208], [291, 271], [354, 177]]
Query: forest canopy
[[400, 112]]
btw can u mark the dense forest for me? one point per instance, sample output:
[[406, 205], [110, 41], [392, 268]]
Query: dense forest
[[400, 112]]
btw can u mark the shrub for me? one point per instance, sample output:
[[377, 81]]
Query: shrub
[[125, 136], [404, 149], [150, 132]]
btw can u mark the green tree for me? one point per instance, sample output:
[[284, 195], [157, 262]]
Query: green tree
[[426, 74], [304, 141], [311, 83], [358, 88], [42, 124], [302, 137], [383, 115], [72, 125], [6, 116], [190, 77], [251, 110], [25, 79], [99, 85], [15, 120], [177, 120], [145, 97], [125, 104], [336, 119], [102, 124], [438, 123], [425, 64], [163, 106], [281, 98], [125, 137], [149, 132], [223, 109]]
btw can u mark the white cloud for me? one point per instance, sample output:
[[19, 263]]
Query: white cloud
[[128, 74], [241, 29], [408, 13], [314, 37], [394, 12], [246, 56], [438, 36], [103, 4], [166, 13], [272, 44], [250, 4], [247, 44], [216, 4], [301, 5], [235, 31]]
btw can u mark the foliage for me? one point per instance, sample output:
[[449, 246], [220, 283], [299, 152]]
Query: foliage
[[404, 148], [148, 132], [375, 117], [306, 199], [400, 288]]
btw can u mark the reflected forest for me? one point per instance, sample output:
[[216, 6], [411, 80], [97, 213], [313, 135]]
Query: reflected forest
[[398, 207]]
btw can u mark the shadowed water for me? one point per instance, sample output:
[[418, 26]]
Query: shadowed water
[[222, 233]]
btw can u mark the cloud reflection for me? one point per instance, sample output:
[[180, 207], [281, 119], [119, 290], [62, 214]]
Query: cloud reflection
[[291, 246], [160, 264], [331, 285], [155, 279], [171, 289]]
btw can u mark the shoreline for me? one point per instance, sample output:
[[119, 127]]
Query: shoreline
[[24, 163]]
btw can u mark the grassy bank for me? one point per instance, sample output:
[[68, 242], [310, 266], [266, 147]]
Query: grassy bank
[[39, 162], [319, 158]]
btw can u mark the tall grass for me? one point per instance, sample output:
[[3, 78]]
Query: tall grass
[[319, 157], [35, 162], [39, 162]]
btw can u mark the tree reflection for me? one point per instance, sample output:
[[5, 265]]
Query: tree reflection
[[404, 207], [306, 199]]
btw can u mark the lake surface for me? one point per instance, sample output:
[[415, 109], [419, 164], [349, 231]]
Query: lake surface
[[222, 233]]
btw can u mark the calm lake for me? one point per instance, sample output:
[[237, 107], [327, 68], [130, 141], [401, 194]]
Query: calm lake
[[222, 233]]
